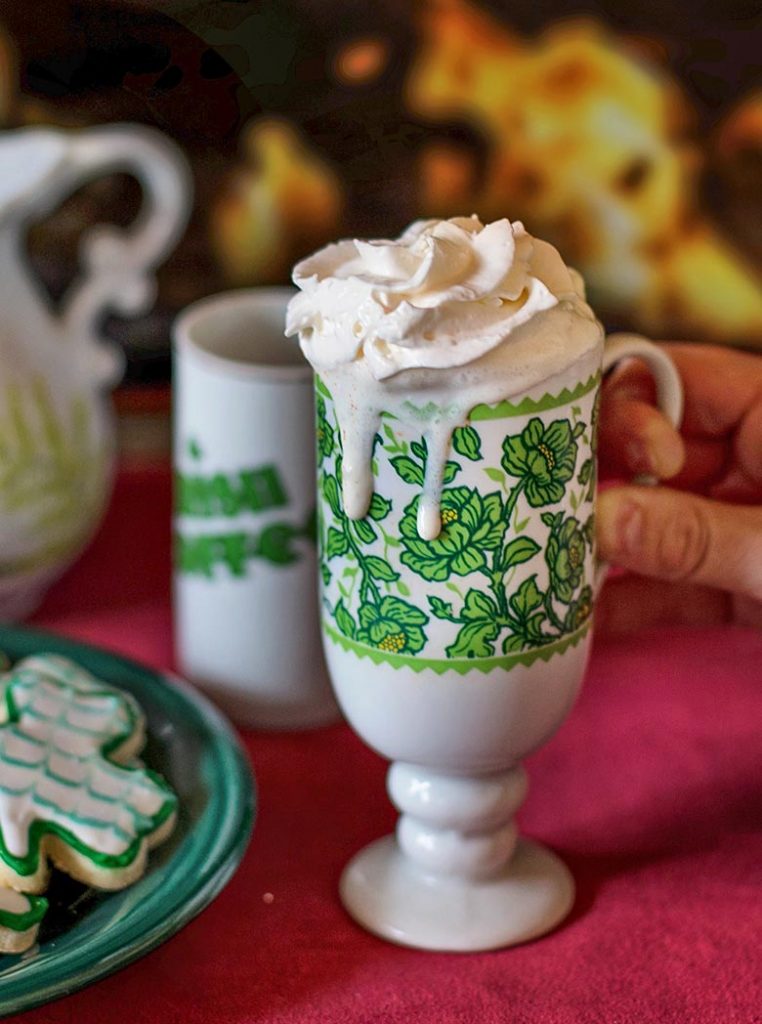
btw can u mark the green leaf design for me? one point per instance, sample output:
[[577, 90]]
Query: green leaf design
[[519, 550], [364, 530], [337, 543], [325, 574], [389, 432], [379, 569], [451, 470], [344, 620], [393, 626], [419, 449], [479, 606], [324, 431], [379, 508], [527, 598], [475, 640], [332, 495], [579, 430], [533, 627], [585, 472], [403, 588], [441, 609], [466, 442], [408, 470], [512, 643], [588, 529], [495, 474]]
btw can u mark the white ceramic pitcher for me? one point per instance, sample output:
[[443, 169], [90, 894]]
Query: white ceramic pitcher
[[56, 425]]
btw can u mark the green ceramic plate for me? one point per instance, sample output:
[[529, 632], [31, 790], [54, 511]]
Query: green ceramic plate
[[87, 935]]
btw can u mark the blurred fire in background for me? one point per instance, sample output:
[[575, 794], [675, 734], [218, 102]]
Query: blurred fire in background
[[634, 145]]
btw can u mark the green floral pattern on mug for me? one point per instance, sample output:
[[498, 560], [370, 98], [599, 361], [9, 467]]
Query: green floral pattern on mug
[[511, 570]]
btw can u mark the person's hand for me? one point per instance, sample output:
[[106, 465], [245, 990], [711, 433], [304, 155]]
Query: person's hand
[[701, 537]]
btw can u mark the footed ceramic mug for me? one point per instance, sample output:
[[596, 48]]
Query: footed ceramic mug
[[457, 657]]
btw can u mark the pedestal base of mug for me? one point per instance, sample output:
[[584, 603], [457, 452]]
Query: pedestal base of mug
[[389, 895]]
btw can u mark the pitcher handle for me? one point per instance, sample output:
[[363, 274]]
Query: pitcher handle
[[119, 263], [669, 393]]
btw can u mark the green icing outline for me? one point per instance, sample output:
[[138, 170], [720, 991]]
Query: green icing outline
[[22, 922], [39, 828], [460, 665]]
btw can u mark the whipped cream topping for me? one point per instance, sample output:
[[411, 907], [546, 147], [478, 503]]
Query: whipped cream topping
[[441, 295], [450, 315]]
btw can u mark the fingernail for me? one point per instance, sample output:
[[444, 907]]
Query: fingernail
[[629, 527]]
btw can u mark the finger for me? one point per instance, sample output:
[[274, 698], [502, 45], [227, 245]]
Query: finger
[[675, 536], [721, 386], [629, 603], [637, 438], [705, 465], [735, 486], [748, 447]]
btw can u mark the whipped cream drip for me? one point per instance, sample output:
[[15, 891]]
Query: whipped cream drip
[[451, 315]]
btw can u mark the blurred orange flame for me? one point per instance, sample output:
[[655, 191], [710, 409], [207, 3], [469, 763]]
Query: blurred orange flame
[[587, 144], [361, 61], [284, 202]]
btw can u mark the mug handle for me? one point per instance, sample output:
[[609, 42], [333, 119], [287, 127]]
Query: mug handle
[[119, 263], [669, 393]]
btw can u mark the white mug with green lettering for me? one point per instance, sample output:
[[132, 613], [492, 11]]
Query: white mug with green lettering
[[246, 626]]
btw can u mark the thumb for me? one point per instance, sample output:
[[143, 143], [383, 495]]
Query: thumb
[[673, 535]]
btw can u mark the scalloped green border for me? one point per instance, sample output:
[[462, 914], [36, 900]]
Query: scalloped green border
[[506, 409], [460, 665]]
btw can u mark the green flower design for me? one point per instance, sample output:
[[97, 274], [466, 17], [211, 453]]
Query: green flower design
[[565, 555], [579, 610], [471, 526], [393, 626], [543, 457]]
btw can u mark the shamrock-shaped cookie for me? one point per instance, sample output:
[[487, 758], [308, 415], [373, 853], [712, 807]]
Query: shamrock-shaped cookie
[[70, 791]]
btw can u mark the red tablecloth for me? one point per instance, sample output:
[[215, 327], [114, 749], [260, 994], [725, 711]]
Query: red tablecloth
[[650, 791]]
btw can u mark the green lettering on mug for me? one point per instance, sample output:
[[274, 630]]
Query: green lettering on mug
[[228, 495]]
